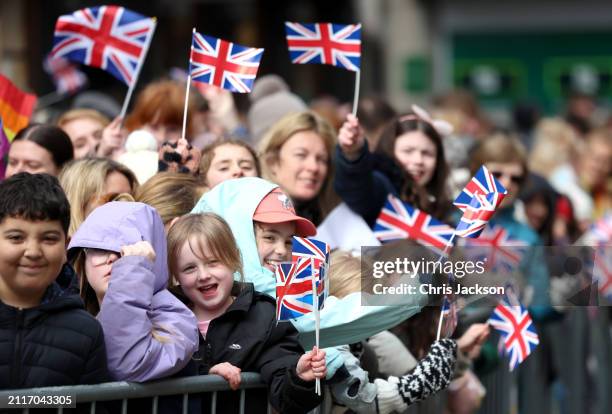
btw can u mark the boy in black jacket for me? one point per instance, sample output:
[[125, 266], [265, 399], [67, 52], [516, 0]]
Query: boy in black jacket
[[46, 337]]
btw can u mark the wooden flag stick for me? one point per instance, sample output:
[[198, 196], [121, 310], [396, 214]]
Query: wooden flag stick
[[356, 96], [145, 51], [187, 89], [315, 306]]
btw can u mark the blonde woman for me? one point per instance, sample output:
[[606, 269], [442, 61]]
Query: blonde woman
[[88, 180], [555, 144], [171, 194], [296, 153]]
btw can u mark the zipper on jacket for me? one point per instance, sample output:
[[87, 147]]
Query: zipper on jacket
[[16, 367]]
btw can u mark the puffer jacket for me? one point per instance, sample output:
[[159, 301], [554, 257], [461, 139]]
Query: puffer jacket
[[54, 343], [248, 336]]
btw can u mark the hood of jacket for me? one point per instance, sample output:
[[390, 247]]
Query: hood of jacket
[[117, 224], [236, 201]]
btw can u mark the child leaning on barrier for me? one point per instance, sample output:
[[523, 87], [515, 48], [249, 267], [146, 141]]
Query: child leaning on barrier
[[120, 254], [46, 337], [238, 326]]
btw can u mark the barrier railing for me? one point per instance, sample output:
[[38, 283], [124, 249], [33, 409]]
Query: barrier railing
[[124, 391]]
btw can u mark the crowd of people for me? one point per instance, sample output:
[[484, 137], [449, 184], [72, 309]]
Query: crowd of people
[[131, 253]]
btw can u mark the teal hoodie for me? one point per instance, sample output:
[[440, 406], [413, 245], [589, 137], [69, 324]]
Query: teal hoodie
[[343, 321]]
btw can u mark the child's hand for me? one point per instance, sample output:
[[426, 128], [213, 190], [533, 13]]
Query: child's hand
[[113, 139], [311, 365], [142, 248], [229, 372], [471, 341], [351, 138]]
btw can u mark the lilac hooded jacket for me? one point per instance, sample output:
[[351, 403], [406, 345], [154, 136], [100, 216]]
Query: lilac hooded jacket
[[137, 300]]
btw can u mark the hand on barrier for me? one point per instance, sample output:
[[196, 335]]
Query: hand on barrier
[[311, 365], [228, 371]]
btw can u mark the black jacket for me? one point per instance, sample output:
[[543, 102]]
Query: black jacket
[[54, 343], [248, 336]]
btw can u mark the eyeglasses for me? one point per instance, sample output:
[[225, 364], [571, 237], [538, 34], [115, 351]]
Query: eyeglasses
[[516, 179], [98, 257]]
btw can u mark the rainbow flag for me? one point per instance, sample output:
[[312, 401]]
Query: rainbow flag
[[16, 107], [4, 149]]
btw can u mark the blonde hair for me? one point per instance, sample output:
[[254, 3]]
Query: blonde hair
[[171, 194], [555, 143], [83, 182], [500, 148], [75, 114], [282, 131], [209, 230], [344, 274]]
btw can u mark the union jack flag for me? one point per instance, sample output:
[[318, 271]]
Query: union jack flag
[[294, 283], [108, 37], [483, 182], [318, 252], [325, 43], [398, 220], [477, 214], [223, 64], [517, 330], [66, 76], [601, 231], [494, 246]]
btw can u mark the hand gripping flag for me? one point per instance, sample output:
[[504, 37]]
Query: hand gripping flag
[[398, 220], [325, 43], [294, 296], [318, 252], [67, 77], [16, 107], [484, 183], [497, 249], [224, 64], [517, 330], [111, 38]]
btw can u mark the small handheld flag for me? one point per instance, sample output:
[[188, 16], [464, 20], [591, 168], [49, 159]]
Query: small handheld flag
[[68, 79], [325, 43], [477, 215], [500, 252], [223, 64], [483, 182], [111, 38], [294, 282], [399, 220], [16, 107], [516, 327]]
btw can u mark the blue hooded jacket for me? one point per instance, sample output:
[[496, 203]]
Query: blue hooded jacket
[[137, 302]]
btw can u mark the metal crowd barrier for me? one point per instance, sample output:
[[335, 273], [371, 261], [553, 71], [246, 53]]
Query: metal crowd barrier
[[123, 391]]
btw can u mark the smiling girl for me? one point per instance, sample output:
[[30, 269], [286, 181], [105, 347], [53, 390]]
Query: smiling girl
[[238, 327], [408, 162]]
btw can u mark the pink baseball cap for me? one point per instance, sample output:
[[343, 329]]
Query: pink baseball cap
[[276, 207]]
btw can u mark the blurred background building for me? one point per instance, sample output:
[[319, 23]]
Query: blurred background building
[[524, 52]]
